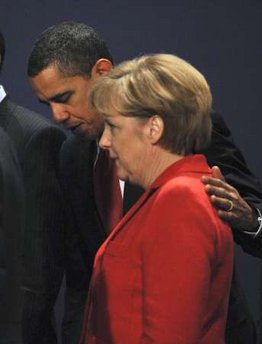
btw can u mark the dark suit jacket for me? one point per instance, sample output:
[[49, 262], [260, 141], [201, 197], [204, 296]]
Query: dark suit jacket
[[37, 143], [11, 225], [77, 158]]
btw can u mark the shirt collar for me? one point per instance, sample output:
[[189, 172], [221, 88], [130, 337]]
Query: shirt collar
[[2, 93]]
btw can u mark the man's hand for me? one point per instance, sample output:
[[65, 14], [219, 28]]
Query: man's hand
[[231, 206]]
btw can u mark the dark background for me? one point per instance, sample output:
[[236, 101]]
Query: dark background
[[221, 38]]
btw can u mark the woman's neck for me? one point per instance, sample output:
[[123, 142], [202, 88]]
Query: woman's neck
[[159, 161]]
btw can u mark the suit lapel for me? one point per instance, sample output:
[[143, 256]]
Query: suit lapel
[[132, 212], [6, 108], [10, 124]]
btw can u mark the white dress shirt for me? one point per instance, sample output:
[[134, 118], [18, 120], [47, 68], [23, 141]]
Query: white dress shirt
[[2, 93]]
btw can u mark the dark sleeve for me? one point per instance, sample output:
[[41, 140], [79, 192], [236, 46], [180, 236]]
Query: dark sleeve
[[43, 249], [11, 227], [224, 153]]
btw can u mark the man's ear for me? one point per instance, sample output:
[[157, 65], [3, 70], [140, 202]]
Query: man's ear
[[155, 129], [102, 66]]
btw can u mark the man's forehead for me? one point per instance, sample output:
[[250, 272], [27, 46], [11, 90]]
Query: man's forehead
[[49, 83]]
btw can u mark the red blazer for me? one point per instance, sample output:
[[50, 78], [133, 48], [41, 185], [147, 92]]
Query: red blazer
[[163, 275]]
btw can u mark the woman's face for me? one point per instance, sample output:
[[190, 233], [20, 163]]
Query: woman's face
[[125, 139]]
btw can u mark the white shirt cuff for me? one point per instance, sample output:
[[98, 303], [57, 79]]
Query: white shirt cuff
[[259, 231]]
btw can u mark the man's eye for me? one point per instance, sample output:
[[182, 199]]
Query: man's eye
[[63, 99]]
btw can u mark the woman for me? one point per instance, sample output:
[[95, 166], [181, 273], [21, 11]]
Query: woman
[[163, 275]]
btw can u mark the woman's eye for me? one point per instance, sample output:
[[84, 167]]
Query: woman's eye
[[112, 126]]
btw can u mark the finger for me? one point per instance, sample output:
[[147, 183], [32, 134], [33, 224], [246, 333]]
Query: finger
[[212, 181], [219, 192], [219, 188], [222, 203], [216, 173], [227, 216]]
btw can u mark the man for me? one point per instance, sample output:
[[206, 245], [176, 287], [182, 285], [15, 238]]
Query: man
[[11, 227], [37, 143], [64, 62]]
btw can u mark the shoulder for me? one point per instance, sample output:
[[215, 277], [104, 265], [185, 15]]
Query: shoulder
[[183, 209], [184, 198], [26, 122], [31, 131], [218, 124], [183, 180], [76, 148], [184, 186], [32, 121]]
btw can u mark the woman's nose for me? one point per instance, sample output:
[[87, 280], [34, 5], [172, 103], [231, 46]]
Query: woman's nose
[[104, 142]]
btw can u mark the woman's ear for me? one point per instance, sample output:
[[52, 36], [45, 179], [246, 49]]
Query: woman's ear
[[102, 66], [155, 129]]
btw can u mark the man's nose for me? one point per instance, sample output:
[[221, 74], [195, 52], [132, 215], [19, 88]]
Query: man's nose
[[60, 114]]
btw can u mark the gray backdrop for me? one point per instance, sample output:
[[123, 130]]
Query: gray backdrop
[[221, 38]]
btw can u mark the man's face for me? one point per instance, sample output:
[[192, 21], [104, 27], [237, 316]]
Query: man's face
[[68, 100]]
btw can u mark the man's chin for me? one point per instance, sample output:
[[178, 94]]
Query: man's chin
[[87, 134]]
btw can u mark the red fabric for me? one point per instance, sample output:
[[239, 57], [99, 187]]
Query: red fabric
[[163, 275], [107, 191]]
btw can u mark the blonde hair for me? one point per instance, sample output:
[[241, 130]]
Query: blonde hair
[[163, 85]]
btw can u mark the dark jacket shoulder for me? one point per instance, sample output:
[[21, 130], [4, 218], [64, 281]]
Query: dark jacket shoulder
[[24, 126]]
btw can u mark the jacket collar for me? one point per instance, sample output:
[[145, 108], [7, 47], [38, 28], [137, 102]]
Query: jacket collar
[[195, 163], [6, 107]]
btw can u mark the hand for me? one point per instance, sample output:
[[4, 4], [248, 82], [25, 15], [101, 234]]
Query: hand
[[231, 206]]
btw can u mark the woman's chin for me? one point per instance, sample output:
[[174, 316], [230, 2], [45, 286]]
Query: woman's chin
[[122, 175]]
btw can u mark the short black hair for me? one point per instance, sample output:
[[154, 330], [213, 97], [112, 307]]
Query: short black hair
[[2, 50], [72, 47]]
